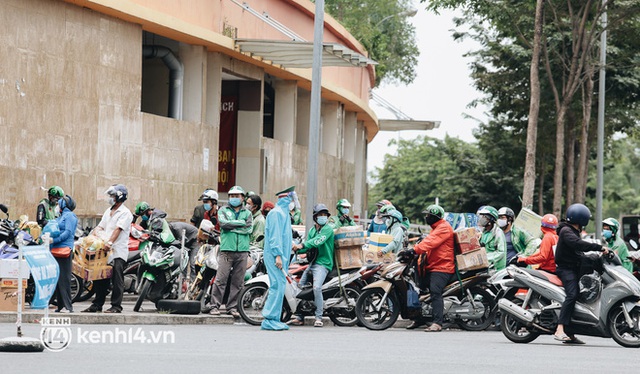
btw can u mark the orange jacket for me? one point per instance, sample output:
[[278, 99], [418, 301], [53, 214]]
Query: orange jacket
[[438, 246], [544, 256]]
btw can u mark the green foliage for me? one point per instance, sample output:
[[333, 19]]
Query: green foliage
[[389, 38]]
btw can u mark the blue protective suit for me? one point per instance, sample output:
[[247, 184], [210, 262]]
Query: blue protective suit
[[277, 242]]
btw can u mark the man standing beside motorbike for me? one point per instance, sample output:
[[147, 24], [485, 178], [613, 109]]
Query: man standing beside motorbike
[[320, 239], [254, 202], [610, 230], [46, 210], [277, 251], [438, 247], [235, 228], [544, 257], [116, 223], [519, 242], [492, 238], [568, 252]]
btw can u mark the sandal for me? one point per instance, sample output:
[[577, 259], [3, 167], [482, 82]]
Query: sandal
[[574, 340], [295, 322], [318, 323], [562, 338], [433, 328]]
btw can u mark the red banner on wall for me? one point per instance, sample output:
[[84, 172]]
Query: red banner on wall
[[227, 143]]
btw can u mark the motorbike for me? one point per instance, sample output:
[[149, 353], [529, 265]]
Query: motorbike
[[206, 265], [339, 293], [466, 302], [608, 305], [161, 265]]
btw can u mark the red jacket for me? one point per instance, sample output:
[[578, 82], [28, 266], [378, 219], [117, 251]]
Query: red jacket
[[544, 256], [438, 246]]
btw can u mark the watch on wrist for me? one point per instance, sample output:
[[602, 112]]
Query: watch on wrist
[[110, 243]]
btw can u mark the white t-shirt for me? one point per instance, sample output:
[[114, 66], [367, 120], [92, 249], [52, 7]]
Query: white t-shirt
[[121, 218]]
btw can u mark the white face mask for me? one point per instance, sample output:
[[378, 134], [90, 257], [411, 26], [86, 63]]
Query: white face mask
[[292, 205], [388, 222], [483, 221], [57, 210], [502, 222], [111, 201]]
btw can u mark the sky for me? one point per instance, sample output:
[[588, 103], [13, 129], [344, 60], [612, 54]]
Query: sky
[[441, 91]]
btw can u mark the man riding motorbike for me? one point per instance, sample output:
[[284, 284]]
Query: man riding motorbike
[[544, 257], [519, 242], [492, 238], [610, 230]]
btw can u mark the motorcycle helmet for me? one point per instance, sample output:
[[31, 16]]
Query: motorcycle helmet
[[383, 202], [319, 208], [67, 202], [549, 221], [489, 211], [55, 191], [405, 256], [434, 210], [578, 214], [209, 194], [613, 224], [505, 211], [236, 190], [142, 207], [343, 203], [118, 191]]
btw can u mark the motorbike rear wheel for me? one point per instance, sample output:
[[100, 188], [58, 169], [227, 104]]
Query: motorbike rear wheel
[[515, 330], [144, 291], [86, 293], [620, 331], [251, 301], [481, 296], [370, 300], [345, 316], [77, 286]]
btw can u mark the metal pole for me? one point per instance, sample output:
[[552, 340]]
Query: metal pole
[[314, 117], [603, 61]]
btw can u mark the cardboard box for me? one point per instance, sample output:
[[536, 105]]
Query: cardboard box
[[349, 236], [9, 294], [91, 272], [529, 221], [9, 268], [349, 257], [473, 260], [371, 256], [378, 241], [466, 240]]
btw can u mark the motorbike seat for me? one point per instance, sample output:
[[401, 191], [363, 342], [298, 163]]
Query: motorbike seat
[[545, 275], [177, 258], [133, 255]]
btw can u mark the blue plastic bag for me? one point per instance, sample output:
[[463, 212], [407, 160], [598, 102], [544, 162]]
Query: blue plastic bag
[[52, 229], [413, 299]]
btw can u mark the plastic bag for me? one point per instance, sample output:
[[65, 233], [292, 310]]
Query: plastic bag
[[413, 298], [51, 228]]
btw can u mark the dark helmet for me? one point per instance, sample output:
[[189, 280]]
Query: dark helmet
[[505, 211], [67, 202], [56, 191], [578, 214], [118, 191], [319, 208]]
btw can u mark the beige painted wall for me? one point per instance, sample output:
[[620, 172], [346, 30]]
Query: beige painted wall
[[70, 113]]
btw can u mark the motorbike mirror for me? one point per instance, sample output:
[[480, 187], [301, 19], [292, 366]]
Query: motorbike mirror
[[4, 209], [632, 243], [259, 238]]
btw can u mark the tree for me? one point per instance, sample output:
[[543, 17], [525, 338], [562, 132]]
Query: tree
[[389, 38]]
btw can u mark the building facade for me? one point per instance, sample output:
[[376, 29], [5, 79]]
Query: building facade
[[159, 96]]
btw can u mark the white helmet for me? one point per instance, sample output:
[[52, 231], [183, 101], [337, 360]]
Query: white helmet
[[209, 195]]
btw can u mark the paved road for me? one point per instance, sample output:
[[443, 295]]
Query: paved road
[[246, 349]]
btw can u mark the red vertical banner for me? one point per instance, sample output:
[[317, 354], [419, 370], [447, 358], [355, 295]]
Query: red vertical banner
[[227, 143]]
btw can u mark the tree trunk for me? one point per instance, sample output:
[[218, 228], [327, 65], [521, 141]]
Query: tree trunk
[[541, 190], [587, 101], [559, 164], [571, 160], [534, 110]]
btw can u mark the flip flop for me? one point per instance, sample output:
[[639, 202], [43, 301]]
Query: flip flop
[[562, 338], [574, 340]]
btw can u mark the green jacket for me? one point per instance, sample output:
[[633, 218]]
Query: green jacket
[[257, 228], [617, 245], [523, 242], [296, 217], [235, 228], [496, 246], [323, 241], [339, 221]]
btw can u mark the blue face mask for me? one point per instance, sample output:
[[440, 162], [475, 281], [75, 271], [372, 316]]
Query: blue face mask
[[344, 210], [322, 220], [607, 234], [145, 218], [235, 201], [207, 207]]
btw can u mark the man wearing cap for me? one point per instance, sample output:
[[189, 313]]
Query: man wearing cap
[[235, 227], [277, 251]]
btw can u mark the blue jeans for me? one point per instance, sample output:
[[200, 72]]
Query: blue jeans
[[319, 274]]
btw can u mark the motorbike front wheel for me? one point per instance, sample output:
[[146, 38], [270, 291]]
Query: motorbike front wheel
[[251, 302], [515, 330], [77, 286], [144, 291], [375, 314], [480, 296], [342, 315], [621, 333]]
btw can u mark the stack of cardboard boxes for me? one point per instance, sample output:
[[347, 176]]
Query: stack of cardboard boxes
[[377, 242], [348, 246], [90, 259], [470, 255]]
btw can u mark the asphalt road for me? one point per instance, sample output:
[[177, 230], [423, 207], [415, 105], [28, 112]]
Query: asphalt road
[[246, 349]]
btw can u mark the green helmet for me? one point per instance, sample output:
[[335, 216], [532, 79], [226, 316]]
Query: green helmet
[[56, 191], [489, 211], [435, 210], [343, 203], [613, 223], [386, 208], [142, 207], [236, 190]]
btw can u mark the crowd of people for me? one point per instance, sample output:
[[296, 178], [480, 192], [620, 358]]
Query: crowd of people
[[246, 221]]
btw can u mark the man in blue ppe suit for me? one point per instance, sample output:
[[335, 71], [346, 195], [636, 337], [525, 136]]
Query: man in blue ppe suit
[[277, 251]]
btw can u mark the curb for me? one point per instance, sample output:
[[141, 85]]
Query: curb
[[121, 319]]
